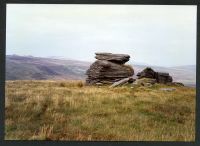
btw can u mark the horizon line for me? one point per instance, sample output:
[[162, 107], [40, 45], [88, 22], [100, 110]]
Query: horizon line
[[130, 61]]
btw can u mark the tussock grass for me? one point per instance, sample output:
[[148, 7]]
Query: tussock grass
[[69, 110]]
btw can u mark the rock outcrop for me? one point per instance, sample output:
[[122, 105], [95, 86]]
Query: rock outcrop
[[108, 68], [161, 77], [146, 73]]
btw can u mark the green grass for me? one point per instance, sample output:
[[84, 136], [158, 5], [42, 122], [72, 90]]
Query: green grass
[[69, 110]]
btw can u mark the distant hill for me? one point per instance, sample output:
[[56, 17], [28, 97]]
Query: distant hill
[[28, 68], [37, 68]]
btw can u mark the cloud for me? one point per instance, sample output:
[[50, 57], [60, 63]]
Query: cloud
[[155, 34]]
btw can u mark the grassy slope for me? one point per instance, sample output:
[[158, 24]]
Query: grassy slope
[[71, 111]]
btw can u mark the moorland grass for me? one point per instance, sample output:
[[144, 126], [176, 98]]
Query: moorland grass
[[69, 110]]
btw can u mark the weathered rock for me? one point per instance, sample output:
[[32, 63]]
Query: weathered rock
[[147, 73], [144, 82], [106, 72], [176, 84], [131, 80], [161, 77], [109, 68], [122, 82], [115, 58], [167, 89], [99, 84], [148, 85]]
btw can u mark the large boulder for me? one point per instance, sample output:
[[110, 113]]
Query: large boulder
[[147, 73], [161, 77], [109, 68]]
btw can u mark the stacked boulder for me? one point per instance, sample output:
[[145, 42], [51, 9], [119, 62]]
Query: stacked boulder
[[160, 77], [108, 69]]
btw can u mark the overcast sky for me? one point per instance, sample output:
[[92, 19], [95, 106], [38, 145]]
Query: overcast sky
[[153, 34]]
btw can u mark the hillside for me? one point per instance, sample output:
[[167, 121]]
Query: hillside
[[36, 68]]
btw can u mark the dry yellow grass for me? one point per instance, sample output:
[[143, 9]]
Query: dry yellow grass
[[69, 110]]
